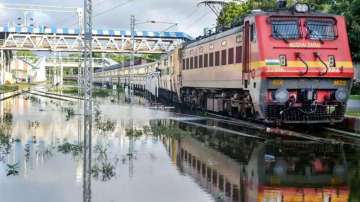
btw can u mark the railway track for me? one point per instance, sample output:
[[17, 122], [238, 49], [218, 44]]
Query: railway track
[[60, 95], [56, 97], [327, 136]]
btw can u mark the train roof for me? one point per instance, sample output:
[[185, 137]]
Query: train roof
[[213, 37], [123, 65], [238, 28]]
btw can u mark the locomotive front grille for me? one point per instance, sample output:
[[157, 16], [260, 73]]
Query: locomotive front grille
[[309, 114]]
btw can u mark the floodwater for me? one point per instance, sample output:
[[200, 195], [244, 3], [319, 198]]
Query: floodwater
[[147, 155]]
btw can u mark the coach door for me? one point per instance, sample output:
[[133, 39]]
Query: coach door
[[246, 54]]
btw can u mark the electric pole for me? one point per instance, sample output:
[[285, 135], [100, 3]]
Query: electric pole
[[132, 57], [88, 81]]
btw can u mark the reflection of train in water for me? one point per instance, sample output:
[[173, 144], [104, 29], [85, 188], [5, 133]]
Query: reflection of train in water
[[290, 65], [295, 171]]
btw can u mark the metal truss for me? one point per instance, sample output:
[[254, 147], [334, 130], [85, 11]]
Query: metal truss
[[74, 43]]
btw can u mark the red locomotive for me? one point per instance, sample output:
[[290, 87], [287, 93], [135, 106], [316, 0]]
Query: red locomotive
[[288, 65]]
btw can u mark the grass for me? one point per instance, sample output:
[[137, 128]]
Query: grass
[[8, 88], [70, 90], [97, 92], [65, 90], [353, 113], [355, 97], [70, 83], [14, 87]]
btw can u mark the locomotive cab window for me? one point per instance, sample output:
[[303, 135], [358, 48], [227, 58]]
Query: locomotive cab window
[[321, 29], [285, 29], [252, 33]]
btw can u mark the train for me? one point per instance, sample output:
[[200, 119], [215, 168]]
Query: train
[[290, 65], [241, 169]]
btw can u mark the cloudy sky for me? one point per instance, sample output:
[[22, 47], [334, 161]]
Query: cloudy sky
[[115, 14]]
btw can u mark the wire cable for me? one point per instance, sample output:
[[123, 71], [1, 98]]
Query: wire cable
[[108, 10], [196, 21], [67, 19], [114, 7]]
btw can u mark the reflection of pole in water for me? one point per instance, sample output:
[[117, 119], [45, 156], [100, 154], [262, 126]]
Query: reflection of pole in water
[[1, 111], [131, 160], [131, 150], [79, 128]]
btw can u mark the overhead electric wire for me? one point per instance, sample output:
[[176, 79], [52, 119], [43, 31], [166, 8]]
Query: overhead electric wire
[[192, 13], [66, 19], [196, 21], [112, 8], [109, 9]]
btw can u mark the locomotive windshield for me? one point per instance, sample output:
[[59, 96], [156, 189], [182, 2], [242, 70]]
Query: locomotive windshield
[[291, 160], [285, 29], [321, 30]]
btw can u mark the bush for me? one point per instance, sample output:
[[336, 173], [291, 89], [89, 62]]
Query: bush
[[8, 88], [355, 90]]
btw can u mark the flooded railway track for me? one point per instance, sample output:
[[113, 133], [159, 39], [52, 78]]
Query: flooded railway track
[[216, 122], [210, 155], [239, 127]]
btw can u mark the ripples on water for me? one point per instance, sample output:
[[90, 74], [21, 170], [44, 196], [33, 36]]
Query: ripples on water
[[142, 154]]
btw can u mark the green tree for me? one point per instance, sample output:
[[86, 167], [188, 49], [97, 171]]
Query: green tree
[[233, 13], [351, 10], [151, 57], [25, 54], [120, 58]]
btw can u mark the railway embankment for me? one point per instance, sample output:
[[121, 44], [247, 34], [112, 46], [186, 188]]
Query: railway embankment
[[352, 123], [5, 96]]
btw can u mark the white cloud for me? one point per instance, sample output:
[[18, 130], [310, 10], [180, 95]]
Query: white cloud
[[191, 19]]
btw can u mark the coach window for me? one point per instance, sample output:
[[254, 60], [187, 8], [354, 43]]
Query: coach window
[[196, 61], [200, 61], [206, 60], [211, 60], [223, 57], [217, 58], [231, 56], [183, 64], [192, 63], [187, 63], [238, 54]]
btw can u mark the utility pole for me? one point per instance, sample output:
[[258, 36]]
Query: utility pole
[[132, 59], [61, 70], [88, 81], [80, 13], [2, 67]]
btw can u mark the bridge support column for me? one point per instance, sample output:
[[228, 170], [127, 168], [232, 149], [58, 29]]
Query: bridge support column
[[61, 70], [2, 77]]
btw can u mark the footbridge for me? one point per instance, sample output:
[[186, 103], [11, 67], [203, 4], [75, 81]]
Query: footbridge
[[104, 41]]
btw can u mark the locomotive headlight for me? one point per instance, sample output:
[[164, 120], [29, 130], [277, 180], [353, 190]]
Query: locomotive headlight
[[282, 96], [302, 8], [341, 95]]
